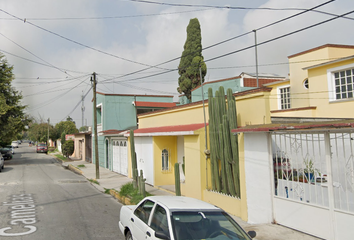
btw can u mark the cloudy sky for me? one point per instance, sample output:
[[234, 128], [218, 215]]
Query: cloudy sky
[[55, 46]]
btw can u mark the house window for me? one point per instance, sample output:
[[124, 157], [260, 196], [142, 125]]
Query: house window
[[284, 98], [306, 83], [343, 83], [165, 162], [99, 114]]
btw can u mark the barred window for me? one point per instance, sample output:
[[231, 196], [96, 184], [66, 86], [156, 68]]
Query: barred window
[[343, 82], [285, 98], [165, 163]]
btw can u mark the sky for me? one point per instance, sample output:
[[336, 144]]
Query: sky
[[55, 46]]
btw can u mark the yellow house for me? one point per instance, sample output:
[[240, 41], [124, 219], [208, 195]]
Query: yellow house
[[177, 134], [317, 85]]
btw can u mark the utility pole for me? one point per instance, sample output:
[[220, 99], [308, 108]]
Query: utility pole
[[255, 46], [97, 162], [48, 133], [82, 109], [206, 151]]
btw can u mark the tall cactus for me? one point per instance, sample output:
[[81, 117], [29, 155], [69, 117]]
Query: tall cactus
[[232, 114], [133, 159], [224, 159], [177, 180]]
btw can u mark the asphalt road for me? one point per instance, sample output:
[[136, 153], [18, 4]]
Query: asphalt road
[[39, 199]]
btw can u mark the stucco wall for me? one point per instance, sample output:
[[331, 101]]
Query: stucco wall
[[258, 178], [320, 96], [160, 143]]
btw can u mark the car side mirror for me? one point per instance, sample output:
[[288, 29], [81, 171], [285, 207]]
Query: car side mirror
[[161, 235], [252, 234]]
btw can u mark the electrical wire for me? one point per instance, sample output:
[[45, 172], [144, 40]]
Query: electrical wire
[[78, 43], [47, 65], [111, 17], [78, 103], [34, 54], [233, 38], [57, 97]]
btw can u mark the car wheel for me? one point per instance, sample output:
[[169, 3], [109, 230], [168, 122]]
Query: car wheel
[[128, 236]]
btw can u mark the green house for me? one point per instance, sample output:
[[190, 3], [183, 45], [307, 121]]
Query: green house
[[116, 114]]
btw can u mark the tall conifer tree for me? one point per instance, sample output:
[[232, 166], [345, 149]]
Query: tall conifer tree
[[191, 59]]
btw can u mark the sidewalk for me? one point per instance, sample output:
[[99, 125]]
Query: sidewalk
[[112, 180]]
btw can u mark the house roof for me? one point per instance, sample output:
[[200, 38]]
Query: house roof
[[317, 126], [154, 104], [177, 130], [238, 94], [320, 47], [83, 133], [111, 132], [262, 75], [134, 95], [330, 62]]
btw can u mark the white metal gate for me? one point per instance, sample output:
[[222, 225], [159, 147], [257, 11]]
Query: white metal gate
[[314, 182], [120, 158]]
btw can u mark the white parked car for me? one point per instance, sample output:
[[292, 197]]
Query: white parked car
[[2, 162], [178, 218], [14, 144]]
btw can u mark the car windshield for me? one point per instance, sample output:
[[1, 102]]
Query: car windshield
[[41, 144], [206, 225]]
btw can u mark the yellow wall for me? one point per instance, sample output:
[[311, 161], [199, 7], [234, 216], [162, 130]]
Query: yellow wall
[[253, 109], [299, 94], [194, 167], [320, 96], [160, 143], [187, 115]]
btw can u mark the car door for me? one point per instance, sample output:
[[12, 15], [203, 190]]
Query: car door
[[158, 224], [140, 219]]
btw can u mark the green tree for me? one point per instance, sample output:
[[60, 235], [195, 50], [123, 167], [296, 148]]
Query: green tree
[[67, 127], [12, 117], [83, 129], [191, 60], [39, 132], [68, 148]]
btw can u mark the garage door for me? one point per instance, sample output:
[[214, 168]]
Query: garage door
[[120, 158]]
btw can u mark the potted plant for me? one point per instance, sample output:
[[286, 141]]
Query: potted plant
[[310, 170]]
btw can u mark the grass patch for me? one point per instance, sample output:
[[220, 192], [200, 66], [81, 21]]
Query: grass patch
[[61, 157], [52, 150], [81, 166], [94, 181], [107, 191], [127, 190]]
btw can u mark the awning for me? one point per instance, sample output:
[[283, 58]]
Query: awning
[[154, 104], [177, 130], [112, 132], [314, 126]]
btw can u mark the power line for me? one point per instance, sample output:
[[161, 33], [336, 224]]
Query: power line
[[57, 97], [109, 17], [227, 40], [77, 104], [246, 48], [34, 54], [282, 36], [47, 65], [78, 43]]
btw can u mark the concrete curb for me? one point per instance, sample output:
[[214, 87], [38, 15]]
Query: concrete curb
[[114, 193], [75, 169]]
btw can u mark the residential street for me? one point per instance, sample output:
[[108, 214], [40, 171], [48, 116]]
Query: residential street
[[39, 199]]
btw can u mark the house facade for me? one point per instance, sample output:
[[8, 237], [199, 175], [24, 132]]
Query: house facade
[[116, 113], [177, 135], [305, 155]]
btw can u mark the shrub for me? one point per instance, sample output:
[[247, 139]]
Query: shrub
[[68, 148]]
